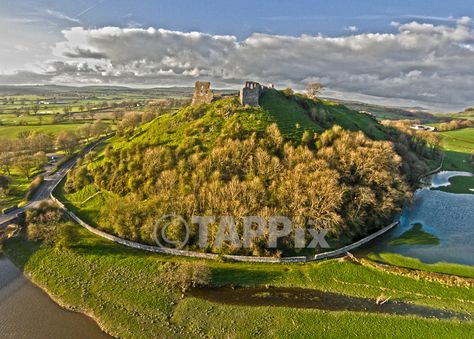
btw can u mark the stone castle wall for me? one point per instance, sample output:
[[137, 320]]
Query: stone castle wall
[[202, 93], [250, 93]]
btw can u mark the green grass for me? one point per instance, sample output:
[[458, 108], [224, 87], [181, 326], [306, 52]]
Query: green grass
[[460, 185], [119, 287], [458, 146], [12, 132], [18, 188], [417, 264], [461, 140], [457, 161], [415, 236], [79, 202], [288, 115]]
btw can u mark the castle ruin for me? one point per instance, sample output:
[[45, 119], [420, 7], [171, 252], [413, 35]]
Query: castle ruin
[[202, 93], [250, 93]]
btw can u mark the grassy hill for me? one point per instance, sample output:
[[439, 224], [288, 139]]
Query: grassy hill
[[294, 115]]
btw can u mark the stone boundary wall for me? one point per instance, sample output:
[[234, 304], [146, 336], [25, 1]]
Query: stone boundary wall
[[212, 256], [345, 249]]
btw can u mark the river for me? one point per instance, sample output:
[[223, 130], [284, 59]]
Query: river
[[436, 226], [27, 312]]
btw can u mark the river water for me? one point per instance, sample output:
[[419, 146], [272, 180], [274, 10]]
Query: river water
[[27, 312], [436, 226]]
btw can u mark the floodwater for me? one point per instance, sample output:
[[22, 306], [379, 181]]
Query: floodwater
[[314, 299], [447, 217], [27, 312]]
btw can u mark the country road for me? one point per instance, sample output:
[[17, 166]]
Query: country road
[[46, 187]]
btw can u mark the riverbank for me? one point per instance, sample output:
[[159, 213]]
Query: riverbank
[[120, 289], [42, 317]]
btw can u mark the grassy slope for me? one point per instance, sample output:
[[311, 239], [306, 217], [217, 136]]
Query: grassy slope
[[119, 287], [458, 145], [288, 112], [207, 122]]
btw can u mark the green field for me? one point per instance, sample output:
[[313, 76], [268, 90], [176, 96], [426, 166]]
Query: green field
[[120, 288], [12, 132], [460, 185], [458, 146]]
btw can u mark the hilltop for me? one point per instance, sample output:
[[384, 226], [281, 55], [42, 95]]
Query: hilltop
[[294, 115]]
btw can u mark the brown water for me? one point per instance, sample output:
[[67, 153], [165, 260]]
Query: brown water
[[309, 298], [27, 312]]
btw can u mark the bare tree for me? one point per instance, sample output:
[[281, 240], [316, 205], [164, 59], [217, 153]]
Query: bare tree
[[313, 90]]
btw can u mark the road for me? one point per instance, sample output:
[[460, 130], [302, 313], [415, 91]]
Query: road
[[46, 187]]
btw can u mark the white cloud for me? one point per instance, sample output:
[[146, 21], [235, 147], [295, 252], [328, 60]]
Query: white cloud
[[425, 63], [465, 20], [352, 29], [59, 15]]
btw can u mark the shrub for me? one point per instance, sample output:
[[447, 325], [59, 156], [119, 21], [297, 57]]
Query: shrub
[[185, 275], [43, 223], [35, 184]]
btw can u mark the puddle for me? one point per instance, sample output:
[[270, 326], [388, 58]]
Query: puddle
[[315, 299]]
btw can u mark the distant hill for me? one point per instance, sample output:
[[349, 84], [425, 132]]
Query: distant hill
[[49, 90], [393, 113], [468, 113]]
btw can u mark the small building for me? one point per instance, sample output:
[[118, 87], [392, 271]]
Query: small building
[[250, 93], [202, 93], [423, 128]]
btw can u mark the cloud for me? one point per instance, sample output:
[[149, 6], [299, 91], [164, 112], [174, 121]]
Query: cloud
[[430, 17], [59, 15], [351, 29], [424, 63], [89, 8], [84, 53]]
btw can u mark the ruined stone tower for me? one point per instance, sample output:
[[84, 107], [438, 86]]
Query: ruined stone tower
[[250, 93], [202, 93]]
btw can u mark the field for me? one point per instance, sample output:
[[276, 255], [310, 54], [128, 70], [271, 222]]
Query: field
[[458, 145], [52, 109], [461, 140], [460, 185], [12, 132], [120, 288]]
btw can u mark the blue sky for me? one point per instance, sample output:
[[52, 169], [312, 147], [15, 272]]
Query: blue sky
[[244, 17], [46, 41]]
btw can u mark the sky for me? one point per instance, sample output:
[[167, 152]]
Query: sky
[[402, 53]]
